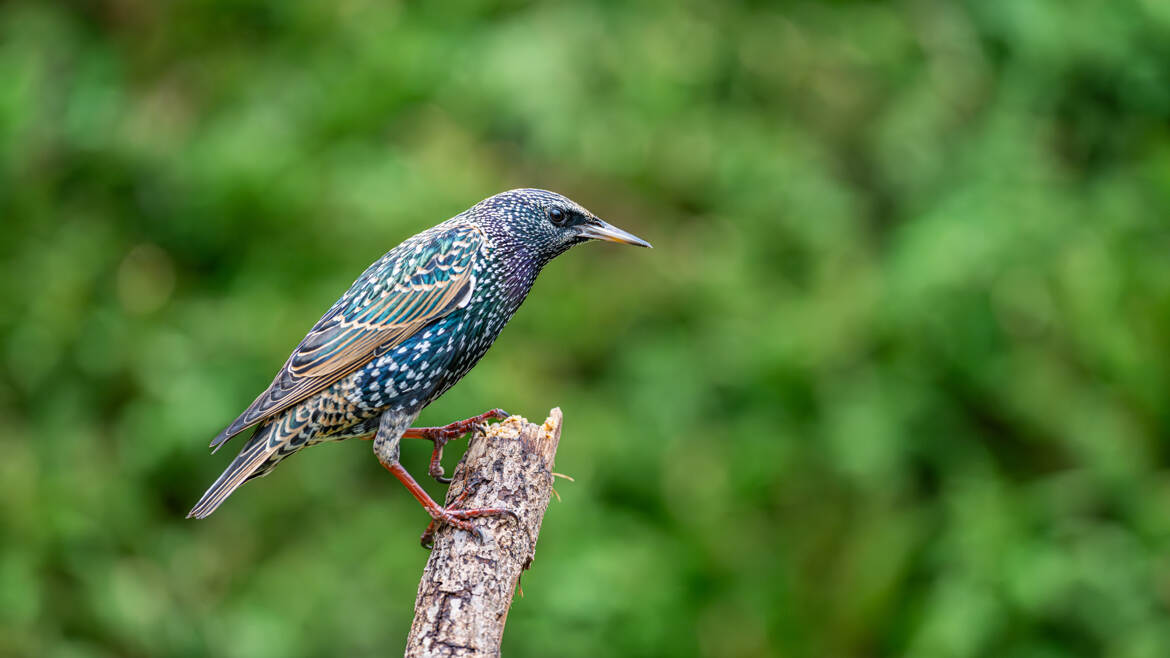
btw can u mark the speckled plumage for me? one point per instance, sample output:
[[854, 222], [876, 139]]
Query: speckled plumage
[[410, 327]]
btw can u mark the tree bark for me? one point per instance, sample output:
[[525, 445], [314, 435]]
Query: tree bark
[[468, 584]]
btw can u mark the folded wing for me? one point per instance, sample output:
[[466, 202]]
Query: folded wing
[[419, 281]]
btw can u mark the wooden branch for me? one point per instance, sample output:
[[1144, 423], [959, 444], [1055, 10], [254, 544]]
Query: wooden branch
[[468, 585]]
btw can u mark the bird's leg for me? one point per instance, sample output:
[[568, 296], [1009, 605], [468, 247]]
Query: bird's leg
[[386, 440], [441, 435], [439, 515], [428, 536]]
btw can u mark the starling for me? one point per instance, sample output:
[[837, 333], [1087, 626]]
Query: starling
[[411, 326]]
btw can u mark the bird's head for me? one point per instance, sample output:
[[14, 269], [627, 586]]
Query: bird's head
[[545, 222]]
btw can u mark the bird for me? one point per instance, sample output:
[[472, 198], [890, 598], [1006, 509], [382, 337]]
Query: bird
[[410, 327]]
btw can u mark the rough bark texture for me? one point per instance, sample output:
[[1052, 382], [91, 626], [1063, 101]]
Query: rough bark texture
[[467, 586]]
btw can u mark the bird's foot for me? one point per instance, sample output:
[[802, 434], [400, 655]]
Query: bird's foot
[[441, 435], [451, 514], [454, 516]]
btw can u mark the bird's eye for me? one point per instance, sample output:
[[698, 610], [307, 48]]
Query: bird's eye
[[557, 216]]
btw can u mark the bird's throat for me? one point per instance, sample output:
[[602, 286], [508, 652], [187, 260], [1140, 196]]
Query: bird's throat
[[520, 271]]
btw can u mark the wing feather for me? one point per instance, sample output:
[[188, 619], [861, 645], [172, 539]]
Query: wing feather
[[419, 281]]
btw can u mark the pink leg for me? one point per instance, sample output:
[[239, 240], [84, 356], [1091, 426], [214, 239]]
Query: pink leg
[[441, 435], [439, 514]]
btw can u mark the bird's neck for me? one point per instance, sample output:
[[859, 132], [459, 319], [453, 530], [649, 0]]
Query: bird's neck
[[521, 272], [518, 268]]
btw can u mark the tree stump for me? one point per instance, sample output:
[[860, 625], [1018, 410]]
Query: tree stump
[[468, 584]]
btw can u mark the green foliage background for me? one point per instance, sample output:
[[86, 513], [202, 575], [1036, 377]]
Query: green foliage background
[[893, 382]]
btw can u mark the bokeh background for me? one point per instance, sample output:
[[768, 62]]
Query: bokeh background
[[893, 382]]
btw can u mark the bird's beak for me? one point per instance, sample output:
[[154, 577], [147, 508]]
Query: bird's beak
[[598, 230]]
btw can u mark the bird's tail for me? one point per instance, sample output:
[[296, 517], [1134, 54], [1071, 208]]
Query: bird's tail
[[251, 459]]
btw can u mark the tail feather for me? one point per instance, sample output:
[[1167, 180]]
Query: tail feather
[[254, 455]]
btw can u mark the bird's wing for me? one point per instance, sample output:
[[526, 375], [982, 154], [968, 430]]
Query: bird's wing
[[419, 281]]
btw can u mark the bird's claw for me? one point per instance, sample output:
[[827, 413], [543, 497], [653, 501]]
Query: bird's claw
[[453, 516], [440, 436], [436, 467], [493, 414]]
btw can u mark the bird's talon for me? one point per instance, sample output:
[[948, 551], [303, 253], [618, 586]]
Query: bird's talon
[[436, 469], [459, 518], [441, 436], [427, 539]]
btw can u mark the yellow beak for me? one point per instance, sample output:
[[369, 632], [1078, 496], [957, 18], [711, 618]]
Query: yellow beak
[[596, 229]]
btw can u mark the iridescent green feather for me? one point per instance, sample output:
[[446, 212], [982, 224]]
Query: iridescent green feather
[[417, 282]]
